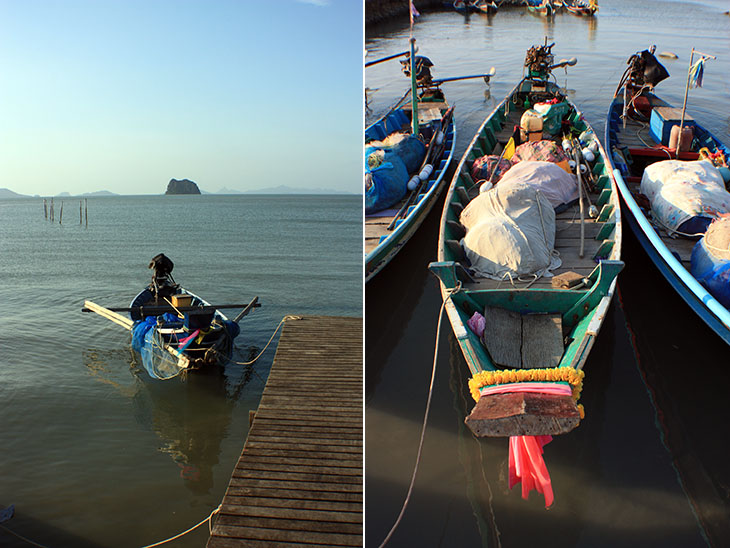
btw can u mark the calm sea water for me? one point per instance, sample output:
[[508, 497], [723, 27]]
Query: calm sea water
[[92, 451], [648, 465]]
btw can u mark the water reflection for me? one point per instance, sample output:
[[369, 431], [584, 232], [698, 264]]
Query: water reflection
[[592, 28], [680, 363], [190, 414]]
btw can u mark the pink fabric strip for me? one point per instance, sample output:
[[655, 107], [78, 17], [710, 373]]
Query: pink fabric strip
[[557, 389]]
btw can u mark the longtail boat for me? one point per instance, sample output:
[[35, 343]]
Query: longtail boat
[[173, 330], [541, 7], [485, 6], [526, 337], [417, 186], [640, 128], [580, 7]]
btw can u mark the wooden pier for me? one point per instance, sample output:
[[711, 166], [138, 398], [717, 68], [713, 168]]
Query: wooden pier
[[299, 480]]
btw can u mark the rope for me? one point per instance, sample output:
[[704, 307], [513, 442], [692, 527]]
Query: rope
[[21, 537], [425, 418], [285, 318], [210, 529]]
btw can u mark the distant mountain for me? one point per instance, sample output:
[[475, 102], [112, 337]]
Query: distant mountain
[[281, 189], [6, 193], [225, 190], [99, 193]]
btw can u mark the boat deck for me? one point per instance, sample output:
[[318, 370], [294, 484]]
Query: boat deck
[[299, 479], [567, 230], [636, 136]]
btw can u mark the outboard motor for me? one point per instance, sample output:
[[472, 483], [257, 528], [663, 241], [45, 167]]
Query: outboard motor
[[163, 285], [423, 71], [538, 61], [645, 70]]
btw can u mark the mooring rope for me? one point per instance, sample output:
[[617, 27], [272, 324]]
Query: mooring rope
[[210, 529], [284, 319], [21, 537], [425, 417], [208, 519]]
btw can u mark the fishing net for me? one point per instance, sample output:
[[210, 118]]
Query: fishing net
[[148, 342]]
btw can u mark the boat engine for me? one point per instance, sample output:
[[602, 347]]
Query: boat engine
[[163, 285], [538, 60], [645, 70], [423, 71]]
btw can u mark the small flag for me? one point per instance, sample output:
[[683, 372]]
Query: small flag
[[509, 149], [696, 72], [414, 11]]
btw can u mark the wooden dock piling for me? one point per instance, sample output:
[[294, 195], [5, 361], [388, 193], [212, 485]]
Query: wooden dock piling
[[299, 480]]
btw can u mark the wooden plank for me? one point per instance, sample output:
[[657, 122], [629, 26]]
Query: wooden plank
[[109, 315], [278, 537], [542, 340], [503, 336], [298, 495], [270, 502], [299, 480], [330, 517], [290, 523]]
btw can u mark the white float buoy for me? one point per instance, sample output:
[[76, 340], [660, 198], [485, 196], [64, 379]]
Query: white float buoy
[[425, 172]]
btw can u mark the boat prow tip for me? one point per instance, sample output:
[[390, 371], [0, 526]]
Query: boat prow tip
[[523, 414]]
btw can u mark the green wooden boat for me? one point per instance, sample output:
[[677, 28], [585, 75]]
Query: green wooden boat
[[527, 364]]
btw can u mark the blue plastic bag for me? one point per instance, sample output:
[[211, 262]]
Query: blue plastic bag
[[387, 183], [711, 272]]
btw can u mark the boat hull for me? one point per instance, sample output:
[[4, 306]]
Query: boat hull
[[169, 345], [581, 311], [716, 316], [392, 241]]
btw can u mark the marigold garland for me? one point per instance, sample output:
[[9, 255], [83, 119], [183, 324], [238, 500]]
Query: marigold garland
[[555, 374]]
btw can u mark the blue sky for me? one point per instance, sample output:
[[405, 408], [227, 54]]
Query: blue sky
[[125, 95]]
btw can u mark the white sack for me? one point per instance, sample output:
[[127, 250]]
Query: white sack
[[680, 190], [558, 186], [510, 231]]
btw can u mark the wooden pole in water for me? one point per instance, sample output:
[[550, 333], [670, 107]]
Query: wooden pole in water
[[60, 216], [86, 208], [51, 209], [81, 213], [45, 209]]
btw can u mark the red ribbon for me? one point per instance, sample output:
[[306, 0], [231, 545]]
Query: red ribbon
[[526, 465]]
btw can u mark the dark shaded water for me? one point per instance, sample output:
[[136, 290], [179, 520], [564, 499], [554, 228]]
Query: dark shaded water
[[647, 466], [93, 451]]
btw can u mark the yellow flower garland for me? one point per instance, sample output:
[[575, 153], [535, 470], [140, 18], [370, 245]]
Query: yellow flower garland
[[555, 374]]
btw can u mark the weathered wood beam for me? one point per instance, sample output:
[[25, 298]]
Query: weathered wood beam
[[523, 414]]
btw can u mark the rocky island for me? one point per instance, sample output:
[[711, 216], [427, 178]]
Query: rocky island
[[182, 186]]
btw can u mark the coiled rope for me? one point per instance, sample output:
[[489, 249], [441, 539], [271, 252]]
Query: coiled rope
[[425, 417]]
